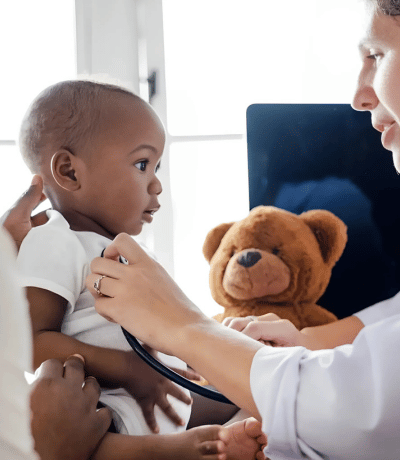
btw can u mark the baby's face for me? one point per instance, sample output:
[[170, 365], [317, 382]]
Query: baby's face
[[120, 186]]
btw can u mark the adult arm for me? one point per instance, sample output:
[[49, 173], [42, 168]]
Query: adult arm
[[163, 317], [272, 330], [340, 403]]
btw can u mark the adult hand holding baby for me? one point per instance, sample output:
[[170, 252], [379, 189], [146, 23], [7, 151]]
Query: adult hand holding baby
[[18, 220], [65, 422]]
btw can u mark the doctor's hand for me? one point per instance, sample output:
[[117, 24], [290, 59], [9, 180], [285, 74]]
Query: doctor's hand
[[17, 220], [144, 299], [66, 424], [268, 329], [141, 296]]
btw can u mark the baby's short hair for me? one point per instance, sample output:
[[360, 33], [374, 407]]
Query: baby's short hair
[[64, 115]]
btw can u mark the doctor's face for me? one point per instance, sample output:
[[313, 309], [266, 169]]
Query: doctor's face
[[378, 89]]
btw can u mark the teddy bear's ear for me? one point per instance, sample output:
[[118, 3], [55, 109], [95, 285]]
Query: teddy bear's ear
[[330, 231], [213, 240]]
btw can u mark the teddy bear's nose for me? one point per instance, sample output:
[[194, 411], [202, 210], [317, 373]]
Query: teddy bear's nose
[[249, 258]]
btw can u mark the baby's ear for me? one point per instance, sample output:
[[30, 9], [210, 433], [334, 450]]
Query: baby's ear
[[63, 168], [213, 240]]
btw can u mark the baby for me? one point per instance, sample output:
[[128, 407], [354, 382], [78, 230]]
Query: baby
[[98, 148]]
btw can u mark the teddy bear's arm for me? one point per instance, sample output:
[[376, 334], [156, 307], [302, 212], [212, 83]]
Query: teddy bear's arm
[[333, 334]]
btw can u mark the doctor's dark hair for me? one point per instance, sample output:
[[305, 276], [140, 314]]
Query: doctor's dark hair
[[64, 116], [387, 7]]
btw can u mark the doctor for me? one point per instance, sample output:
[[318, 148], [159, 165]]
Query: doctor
[[338, 404]]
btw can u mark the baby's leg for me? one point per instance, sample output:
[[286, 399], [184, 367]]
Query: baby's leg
[[245, 440], [201, 443]]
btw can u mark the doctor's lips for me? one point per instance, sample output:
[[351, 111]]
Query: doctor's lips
[[388, 132]]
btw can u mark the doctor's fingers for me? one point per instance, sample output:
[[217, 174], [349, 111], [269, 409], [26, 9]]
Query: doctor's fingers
[[238, 323], [280, 333], [110, 268], [102, 285], [268, 317], [124, 245], [50, 369]]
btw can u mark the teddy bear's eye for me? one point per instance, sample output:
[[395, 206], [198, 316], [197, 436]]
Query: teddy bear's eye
[[275, 251], [233, 252]]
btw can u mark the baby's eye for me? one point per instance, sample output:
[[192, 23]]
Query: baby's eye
[[142, 165], [158, 167]]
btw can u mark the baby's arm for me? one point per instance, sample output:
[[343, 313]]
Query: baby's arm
[[47, 311], [272, 330], [113, 368]]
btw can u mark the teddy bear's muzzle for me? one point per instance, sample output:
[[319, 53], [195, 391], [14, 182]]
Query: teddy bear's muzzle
[[255, 273]]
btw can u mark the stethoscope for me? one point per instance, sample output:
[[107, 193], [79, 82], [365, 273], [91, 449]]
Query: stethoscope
[[169, 373]]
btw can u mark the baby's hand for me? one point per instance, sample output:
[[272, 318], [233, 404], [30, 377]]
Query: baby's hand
[[244, 440], [150, 389], [268, 329]]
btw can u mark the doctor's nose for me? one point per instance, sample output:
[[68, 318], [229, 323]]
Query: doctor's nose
[[364, 98]]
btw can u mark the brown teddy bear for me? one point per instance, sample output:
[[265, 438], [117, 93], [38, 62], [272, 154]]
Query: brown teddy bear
[[274, 261]]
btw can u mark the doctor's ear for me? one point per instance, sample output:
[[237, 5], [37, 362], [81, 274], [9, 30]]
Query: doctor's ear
[[64, 168]]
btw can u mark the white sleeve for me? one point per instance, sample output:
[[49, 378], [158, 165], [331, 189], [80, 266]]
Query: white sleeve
[[338, 404], [52, 258], [15, 358], [380, 310]]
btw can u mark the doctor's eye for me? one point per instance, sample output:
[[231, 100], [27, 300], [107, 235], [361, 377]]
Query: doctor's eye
[[142, 165], [374, 56]]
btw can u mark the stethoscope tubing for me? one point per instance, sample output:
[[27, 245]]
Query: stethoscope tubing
[[170, 374]]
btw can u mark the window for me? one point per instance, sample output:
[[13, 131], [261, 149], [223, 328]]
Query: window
[[220, 57], [212, 60], [41, 51]]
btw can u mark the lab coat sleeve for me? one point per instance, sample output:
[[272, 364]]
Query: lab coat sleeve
[[380, 310], [337, 404]]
